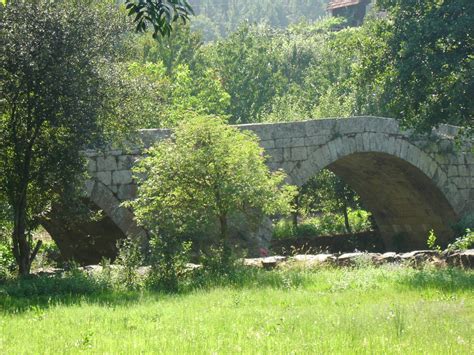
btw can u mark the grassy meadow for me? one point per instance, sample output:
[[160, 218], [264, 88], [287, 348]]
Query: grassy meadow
[[390, 310]]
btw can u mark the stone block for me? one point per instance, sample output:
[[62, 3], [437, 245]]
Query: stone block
[[282, 142], [403, 150], [359, 139], [268, 144], [122, 177], [127, 192], [91, 165], [463, 171], [275, 154], [286, 154], [297, 142], [126, 162], [299, 153], [366, 142], [332, 146], [107, 163], [105, 177], [453, 171], [263, 131], [315, 141]]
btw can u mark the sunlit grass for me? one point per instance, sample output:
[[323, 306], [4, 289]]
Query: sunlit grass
[[364, 310]]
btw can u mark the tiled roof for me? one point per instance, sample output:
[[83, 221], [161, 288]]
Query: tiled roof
[[335, 4]]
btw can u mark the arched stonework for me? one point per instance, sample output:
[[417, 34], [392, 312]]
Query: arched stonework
[[403, 186], [411, 183]]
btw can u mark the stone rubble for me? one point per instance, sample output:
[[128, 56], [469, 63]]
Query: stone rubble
[[417, 258]]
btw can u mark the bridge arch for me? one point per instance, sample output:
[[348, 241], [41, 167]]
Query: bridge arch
[[404, 187]]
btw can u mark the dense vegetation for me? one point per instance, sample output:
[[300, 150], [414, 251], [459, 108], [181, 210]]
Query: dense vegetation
[[284, 63], [217, 19], [77, 74]]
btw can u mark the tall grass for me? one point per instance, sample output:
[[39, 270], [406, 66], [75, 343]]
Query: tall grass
[[361, 310]]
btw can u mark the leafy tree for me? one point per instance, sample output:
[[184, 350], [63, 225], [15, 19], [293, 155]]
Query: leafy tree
[[203, 175], [160, 14], [427, 72], [179, 48], [54, 104], [327, 193], [248, 64], [217, 18]]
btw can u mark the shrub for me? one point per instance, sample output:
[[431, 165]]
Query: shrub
[[7, 261], [326, 224], [463, 242], [193, 183], [129, 258], [168, 259]]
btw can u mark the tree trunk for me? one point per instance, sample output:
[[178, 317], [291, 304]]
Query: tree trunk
[[294, 214], [21, 247], [346, 219], [226, 252]]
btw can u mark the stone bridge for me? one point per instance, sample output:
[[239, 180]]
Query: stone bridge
[[410, 183]]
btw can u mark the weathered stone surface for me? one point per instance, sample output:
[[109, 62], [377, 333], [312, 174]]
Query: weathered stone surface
[[349, 258], [389, 257], [311, 260], [462, 258], [105, 177], [272, 261], [122, 177], [106, 163]]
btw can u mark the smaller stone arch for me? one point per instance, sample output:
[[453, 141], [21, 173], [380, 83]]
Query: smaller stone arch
[[121, 216], [88, 241]]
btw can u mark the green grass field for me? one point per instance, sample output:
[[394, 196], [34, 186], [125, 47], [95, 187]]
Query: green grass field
[[363, 310]]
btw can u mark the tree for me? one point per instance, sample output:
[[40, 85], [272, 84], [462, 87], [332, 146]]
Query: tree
[[426, 74], [327, 193], [54, 104], [158, 13], [203, 175]]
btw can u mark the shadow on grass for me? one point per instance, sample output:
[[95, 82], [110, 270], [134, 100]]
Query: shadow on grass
[[447, 279], [41, 292]]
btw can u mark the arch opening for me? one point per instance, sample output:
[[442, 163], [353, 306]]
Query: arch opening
[[405, 203], [85, 240]]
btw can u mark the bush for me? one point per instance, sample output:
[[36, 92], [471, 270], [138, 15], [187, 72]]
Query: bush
[[194, 184], [129, 258], [463, 242], [327, 224], [168, 259], [7, 260]]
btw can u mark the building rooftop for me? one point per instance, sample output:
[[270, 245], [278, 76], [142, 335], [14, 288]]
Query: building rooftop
[[335, 4]]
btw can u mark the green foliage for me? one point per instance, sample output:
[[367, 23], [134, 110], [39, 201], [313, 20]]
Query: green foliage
[[129, 258], [463, 242], [427, 64], [387, 309], [166, 99], [181, 47], [7, 260], [326, 224], [215, 18], [193, 183], [56, 101], [431, 241], [168, 259], [160, 14]]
